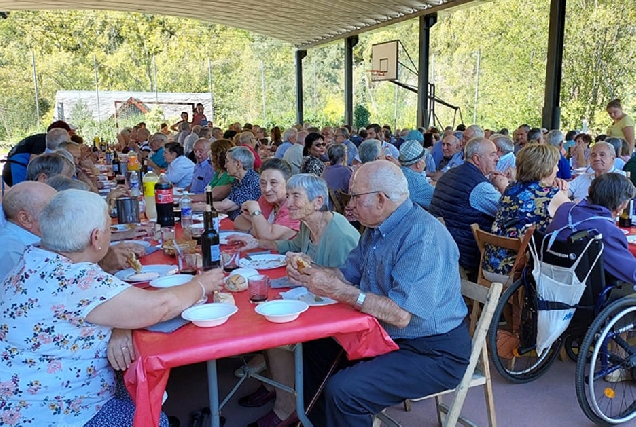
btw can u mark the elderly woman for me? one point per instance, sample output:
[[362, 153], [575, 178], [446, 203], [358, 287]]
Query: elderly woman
[[268, 218], [327, 238], [622, 126], [531, 200], [337, 174], [239, 162], [59, 310], [313, 151], [180, 168]]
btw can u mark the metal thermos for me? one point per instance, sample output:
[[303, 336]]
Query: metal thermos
[[127, 210]]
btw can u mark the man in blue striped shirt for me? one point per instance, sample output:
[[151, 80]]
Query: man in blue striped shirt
[[405, 273]]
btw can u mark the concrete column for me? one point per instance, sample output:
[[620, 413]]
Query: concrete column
[[423, 111], [350, 42], [300, 55], [551, 117]]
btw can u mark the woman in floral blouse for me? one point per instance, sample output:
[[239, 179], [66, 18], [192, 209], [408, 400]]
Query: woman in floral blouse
[[58, 310], [315, 148], [532, 200]]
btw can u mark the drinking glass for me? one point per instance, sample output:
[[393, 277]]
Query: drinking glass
[[229, 260], [258, 288], [188, 259]]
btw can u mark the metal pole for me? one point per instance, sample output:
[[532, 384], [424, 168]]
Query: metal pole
[[423, 113], [99, 116], [551, 117], [35, 83], [350, 42], [211, 92], [263, 92], [477, 86], [395, 112], [300, 55], [154, 73]]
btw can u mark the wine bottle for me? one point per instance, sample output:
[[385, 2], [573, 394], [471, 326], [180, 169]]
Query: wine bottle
[[210, 242]]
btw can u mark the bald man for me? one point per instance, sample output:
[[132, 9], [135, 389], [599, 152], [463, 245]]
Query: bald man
[[21, 205], [420, 308]]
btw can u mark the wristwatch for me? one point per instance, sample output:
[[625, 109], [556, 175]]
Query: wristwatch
[[256, 212], [361, 297]]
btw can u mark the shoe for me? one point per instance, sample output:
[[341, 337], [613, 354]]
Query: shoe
[[618, 376], [239, 372], [260, 397], [270, 419]]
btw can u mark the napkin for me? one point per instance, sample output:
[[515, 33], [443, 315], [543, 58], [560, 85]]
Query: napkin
[[168, 326], [283, 282]]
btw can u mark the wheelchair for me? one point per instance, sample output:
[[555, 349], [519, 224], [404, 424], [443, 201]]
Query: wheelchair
[[598, 337]]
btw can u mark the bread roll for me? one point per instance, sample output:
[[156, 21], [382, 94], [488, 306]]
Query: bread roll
[[226, 298], [236, 283]]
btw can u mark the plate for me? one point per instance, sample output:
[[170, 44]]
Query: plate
[[263, 262], [170, 281], [143, 243], [302, 294], [224, 234], [631, 239], [118, 228], [625, 231], [160, 270]]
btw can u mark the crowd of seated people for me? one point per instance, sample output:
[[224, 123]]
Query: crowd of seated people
[[275, 185]]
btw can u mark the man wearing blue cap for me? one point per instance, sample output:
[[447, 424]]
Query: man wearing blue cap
[[413, 164]]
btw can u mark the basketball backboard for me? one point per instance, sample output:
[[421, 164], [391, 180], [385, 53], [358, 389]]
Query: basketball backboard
[[384, 60]]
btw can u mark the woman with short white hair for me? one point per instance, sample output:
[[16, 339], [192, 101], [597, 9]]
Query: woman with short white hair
[[59, 311]]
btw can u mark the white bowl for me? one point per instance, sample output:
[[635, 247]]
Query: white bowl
[[170, 281], [282, 311], [208, 315]]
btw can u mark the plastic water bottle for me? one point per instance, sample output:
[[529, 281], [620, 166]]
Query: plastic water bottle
[[186, 215], [134, 185]]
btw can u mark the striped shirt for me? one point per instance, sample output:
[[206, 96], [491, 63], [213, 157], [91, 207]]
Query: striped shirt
[[412, 259]]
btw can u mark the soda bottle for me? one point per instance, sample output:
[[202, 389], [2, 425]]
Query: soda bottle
[[210, 242], [163, 202], [149, 180], [186, 215]]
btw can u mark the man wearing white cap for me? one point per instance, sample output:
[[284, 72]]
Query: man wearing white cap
[[413, 164]]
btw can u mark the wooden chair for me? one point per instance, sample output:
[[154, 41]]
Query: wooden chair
[[477, 372], [518, 245], [335, 201], [344, 198]]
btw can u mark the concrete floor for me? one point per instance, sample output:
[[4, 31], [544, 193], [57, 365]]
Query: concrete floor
[[549, 401]]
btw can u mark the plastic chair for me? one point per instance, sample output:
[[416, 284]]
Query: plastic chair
[[477, 372], [518, 245]]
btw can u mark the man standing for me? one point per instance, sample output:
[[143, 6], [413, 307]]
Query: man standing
[[198, 118], [203, 170], [465, 195], [413, 161], [420, 308]]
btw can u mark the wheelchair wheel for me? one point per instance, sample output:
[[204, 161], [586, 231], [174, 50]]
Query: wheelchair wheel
[[512, 340], [605, 386]]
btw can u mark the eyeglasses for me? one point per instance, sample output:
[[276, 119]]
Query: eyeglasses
[[320, 144], [354, 196]]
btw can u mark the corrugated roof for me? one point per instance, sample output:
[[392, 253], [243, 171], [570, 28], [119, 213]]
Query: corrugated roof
[[302, 23]]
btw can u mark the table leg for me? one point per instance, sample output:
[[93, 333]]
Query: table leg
[[213, 393], [300, 399]]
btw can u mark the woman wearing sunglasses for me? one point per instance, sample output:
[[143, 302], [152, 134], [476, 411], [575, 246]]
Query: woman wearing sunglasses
[[314, 149]]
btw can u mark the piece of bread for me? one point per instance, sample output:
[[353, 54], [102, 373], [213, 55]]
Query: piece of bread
[[134, 262], [301, 264], [226, 298], [236, 283]]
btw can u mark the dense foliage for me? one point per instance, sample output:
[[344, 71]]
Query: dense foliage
[[253, 76]]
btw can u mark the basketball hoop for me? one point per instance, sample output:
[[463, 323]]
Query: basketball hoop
[[377, 73]]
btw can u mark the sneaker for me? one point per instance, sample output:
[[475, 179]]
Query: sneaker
[[618, 376]]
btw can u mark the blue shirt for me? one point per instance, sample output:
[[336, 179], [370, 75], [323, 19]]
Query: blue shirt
[[280, 151], [564, 172], [456, 160], [420, 191], [249, 188], [202, 175], [485, 198], [14, 240], [437, 153], [352, 151], [506, 162], [412, 259], [157, 157]]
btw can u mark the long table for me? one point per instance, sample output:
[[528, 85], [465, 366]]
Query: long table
[[246, 331]]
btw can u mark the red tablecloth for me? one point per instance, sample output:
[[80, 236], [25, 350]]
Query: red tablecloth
[[632, 231], [246, 331]]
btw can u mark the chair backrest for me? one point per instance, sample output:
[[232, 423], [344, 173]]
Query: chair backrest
[[344, 198], [335, 201], [518, 245]]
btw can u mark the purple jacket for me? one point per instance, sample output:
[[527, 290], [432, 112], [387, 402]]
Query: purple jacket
[[618, 260]]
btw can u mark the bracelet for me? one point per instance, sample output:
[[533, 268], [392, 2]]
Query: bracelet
[[361, 297], [204, 295]]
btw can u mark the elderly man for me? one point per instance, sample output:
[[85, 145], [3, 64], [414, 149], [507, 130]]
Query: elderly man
[[54, 138], [294, 154], [601, 161], [505, 150], [156, 159], [521, 137], [420, 308], [188, 142], [555, 138], [472, 131], [413, 161], [341, 136], [289, 139], [535, 136], [452, 156], [465, 195], [203, 170], [239, 162], [47, 165]]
